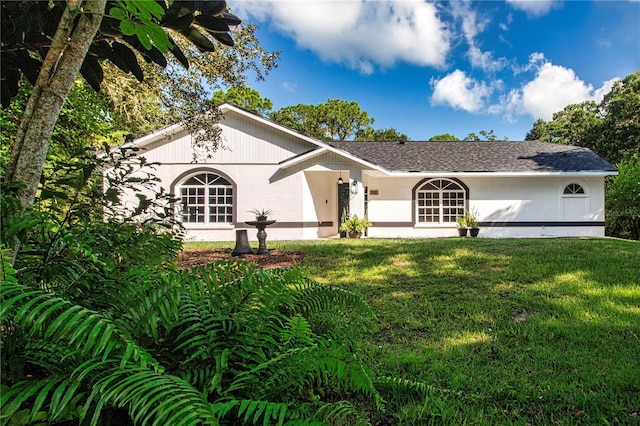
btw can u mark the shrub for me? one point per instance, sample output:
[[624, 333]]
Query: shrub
[[225, 342]]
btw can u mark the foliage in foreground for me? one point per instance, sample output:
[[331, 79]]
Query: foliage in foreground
[[227, 342]]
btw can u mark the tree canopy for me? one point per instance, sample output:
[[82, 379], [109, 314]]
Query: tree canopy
[[334, 120], [489, 136], [445, 137], [244, 97], [369, 134], [611, 128], [623, 200], [98, 37]]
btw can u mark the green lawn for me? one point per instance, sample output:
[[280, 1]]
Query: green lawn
[[534, 331]]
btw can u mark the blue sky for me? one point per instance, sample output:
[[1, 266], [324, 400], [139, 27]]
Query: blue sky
[[427, 68]]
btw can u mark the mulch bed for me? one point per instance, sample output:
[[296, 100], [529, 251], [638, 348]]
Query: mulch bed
[[275, 259]]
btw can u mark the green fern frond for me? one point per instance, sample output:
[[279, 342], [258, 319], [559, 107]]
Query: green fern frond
[[297, 331], [154, 302], [397, 388], [56, 392], [342, 413], [251, 411], [52, 318], [319, 298], [315, 366], [153, 397]]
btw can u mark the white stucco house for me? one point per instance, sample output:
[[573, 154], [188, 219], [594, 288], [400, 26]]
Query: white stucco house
[[406, 189]]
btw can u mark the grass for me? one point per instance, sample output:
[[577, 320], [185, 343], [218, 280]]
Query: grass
[[540, 331]]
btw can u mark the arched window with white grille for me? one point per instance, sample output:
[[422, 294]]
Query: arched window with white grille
[[206, 198], [439, 201], [573, 189]]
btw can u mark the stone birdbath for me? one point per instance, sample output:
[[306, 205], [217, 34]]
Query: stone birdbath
[[261, 225]]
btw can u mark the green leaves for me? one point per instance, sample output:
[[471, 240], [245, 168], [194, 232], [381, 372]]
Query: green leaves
[[142, 24], [137, 18], [623, 200], [611, 128], [334, 120], [225, 342]]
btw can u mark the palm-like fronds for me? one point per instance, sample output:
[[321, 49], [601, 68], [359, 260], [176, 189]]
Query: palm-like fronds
[[225, 342]]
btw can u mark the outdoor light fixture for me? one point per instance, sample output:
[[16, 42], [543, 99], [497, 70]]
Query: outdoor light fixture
[[354, 187], [340, 181]]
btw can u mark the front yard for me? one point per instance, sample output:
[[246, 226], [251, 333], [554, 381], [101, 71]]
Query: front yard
[[541, 331]]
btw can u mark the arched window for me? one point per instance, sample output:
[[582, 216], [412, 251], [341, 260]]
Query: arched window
[[573, 189], [206, 198], [440, 201]]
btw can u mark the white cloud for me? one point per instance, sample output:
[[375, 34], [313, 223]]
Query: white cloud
[[533, 8], [553, 88], [600, 93], [290, 87], [363, 34], [485, 60], [472, 25], [460, 92]]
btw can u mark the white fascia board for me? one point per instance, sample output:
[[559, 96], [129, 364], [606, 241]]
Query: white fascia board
[[323, 150], [502, 174], [158, 135], [300, 158]]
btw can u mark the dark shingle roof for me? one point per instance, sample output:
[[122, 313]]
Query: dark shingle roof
[[524, 156]]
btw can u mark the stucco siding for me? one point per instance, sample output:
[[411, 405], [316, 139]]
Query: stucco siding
[[506, 207]]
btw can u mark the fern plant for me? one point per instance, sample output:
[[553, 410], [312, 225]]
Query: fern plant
[[223, 343]]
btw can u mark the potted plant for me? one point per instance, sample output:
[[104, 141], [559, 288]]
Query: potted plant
[[261, 215], [354, 226], [462, 226], [471, 218]]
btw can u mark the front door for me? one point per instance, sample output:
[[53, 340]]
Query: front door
[[343, 202]]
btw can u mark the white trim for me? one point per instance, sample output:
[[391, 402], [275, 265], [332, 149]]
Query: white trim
[[585, 188], [301, 158], [498, 174]]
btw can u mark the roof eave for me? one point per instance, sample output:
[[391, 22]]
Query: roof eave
[[540, 173]]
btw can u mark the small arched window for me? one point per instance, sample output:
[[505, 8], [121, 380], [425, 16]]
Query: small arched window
[[440, 201], [573, 189], [206, 198]]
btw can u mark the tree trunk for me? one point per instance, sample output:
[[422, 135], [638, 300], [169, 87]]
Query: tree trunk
[[59, 70]]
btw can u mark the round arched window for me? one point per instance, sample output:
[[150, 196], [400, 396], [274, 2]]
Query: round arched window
[[573, 189], [206, 198], [440, 201]]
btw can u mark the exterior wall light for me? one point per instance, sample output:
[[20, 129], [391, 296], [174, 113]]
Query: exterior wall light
[[354, 187], [340, 181]]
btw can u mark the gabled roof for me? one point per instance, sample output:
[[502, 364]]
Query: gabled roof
[[397, 158], [477, 157]]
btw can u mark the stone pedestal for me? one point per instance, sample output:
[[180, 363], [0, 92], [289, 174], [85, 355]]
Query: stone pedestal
[[242, 243], [261, 225]]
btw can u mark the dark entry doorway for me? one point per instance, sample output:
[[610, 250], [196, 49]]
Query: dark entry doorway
[[343, 203]]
